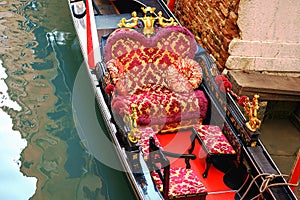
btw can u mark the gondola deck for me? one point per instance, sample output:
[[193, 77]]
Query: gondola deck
[[214, 184], [182, 115]]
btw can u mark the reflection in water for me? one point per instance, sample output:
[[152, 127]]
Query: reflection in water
[[11, 146], [40, 78]]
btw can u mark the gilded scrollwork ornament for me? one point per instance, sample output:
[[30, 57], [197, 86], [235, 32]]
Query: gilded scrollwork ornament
[[148, 21]]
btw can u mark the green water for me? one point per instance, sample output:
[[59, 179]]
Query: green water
[[41, 77]]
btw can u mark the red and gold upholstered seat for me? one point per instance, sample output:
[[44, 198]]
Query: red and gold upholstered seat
[[163, 109], [215, 144], [183, 182], [214, 140], [172, 181], [146, 133], [159, 75]]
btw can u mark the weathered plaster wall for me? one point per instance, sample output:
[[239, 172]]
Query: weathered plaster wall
[[269, 37]]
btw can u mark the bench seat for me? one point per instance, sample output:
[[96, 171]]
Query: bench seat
[[164, 109]]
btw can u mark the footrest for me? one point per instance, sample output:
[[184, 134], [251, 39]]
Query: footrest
[[213, 142], [183, 183]]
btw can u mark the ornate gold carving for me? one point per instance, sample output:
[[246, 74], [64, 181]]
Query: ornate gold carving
[[133, 135], [165, 22], [251, 109], [148, 21], [107, 78], [253, 144], [134, 20]]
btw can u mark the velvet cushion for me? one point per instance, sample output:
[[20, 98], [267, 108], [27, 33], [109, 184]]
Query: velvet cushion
[[162, 109], [157, 105], [182, 182], [214, 140], [184, 75]]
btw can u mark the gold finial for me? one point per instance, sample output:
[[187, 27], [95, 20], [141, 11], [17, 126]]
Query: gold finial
[[131, 120], [251, 109], [148, 21], [148, 9], [134, 20], [165, 22], [106, 78]]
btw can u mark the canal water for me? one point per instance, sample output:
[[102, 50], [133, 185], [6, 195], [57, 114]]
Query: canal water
[[52, 139]]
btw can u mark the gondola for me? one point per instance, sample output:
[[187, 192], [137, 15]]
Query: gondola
[[177, 126]]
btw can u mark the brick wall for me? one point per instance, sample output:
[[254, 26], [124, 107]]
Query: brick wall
[[213, 22]]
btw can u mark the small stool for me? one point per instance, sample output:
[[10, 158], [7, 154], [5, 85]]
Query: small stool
[[214, 142]]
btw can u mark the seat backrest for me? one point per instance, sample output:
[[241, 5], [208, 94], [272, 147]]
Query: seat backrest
[[136, 60], [176, 39]]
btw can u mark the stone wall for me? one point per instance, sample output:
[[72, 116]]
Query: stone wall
[[213, 22], [269, 39]]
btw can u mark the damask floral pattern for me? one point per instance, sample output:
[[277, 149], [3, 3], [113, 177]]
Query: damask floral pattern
[[173, 39], [184, 75], [214, 139], [141, 67], [157, 67], [157, 105], [145, 134], [182, 182], [151, 73]]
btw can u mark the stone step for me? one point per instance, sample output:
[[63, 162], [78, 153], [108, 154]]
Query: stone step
[[269, 87]]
